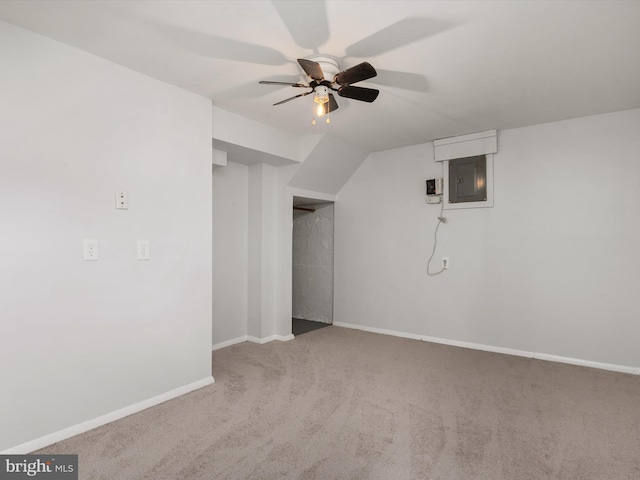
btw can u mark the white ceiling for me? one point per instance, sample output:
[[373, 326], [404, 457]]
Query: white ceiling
[[444, 67]]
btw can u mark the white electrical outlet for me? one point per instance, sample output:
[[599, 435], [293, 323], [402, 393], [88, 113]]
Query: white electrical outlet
[[90, 248], [143, 250], [445, 263], [122, 200]]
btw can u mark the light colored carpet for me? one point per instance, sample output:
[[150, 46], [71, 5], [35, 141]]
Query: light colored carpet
[[344, 404]]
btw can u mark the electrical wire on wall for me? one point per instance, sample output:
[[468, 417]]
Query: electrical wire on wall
[[441, 219]]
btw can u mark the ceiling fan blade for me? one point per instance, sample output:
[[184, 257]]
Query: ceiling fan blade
[[306, 21], [269, 82], [359, 93], [291, 98], [331, 105], [355, 74], [312, 69], [401, 33]]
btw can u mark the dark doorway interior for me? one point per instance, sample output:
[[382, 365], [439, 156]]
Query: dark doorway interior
[[300, 326]]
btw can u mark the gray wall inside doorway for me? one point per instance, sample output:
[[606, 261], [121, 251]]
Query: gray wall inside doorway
[[312, 290]]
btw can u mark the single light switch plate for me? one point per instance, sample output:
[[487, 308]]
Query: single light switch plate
[[143, 250], [90, 247], [122, 200]]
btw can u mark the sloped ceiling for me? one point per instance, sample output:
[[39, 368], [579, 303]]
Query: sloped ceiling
[[328, 166], [444, 67]]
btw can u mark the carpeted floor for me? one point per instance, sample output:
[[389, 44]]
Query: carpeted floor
[[344, 404]]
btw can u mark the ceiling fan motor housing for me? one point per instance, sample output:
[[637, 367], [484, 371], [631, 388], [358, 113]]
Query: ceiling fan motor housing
[[329, 65]]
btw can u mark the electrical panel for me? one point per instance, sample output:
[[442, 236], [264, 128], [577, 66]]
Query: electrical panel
[[468, 179]]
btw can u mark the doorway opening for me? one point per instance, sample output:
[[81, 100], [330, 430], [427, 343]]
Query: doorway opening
[[312, 263]]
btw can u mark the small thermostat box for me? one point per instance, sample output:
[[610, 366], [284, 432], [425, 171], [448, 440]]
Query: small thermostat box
[[434, 186]]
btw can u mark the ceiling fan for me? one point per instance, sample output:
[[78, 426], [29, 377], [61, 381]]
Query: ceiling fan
[[317, 68]]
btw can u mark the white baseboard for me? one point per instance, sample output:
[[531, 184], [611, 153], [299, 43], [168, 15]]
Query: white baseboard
[[271, 338], [587, 363], [60, 435], [249, 338], [493, 349], [228, 343]]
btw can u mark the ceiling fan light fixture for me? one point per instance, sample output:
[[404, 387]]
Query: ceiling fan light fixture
[[320, 102], [321, 95]]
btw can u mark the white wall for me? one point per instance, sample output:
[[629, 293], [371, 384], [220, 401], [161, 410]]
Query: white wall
[[312, 286], [230, 251], [82, 339], [263, 258], [552, 268], [255, 138], [252, 225]]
